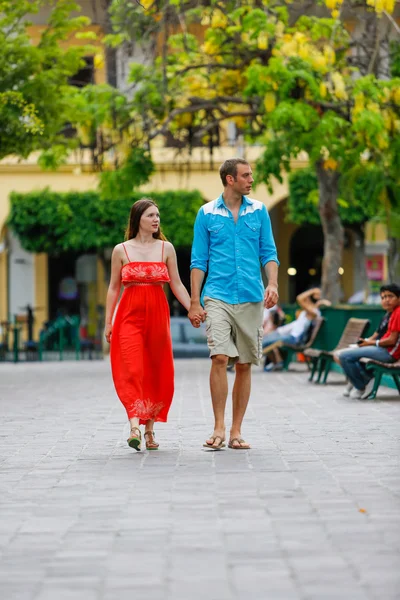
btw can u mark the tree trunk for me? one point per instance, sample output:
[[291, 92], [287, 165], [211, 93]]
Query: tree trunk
[[393, 258], [361, 279], [328, 183]]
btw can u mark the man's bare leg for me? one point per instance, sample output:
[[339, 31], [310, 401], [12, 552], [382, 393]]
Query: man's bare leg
[[219, 393], [240, 399]]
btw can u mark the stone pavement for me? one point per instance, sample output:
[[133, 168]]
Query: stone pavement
[[310, 513]]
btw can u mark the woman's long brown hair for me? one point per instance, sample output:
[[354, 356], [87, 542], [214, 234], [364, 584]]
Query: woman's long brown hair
[[135, 215]]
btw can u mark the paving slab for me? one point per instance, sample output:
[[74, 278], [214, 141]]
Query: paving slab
[[311, 512]]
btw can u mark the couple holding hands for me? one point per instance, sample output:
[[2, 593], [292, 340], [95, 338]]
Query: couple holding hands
[[232, 238]]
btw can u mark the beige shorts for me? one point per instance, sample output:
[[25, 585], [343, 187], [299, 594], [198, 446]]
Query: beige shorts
[[235, 330]]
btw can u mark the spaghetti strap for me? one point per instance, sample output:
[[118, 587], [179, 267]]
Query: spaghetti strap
[[127, 256], [162, 252]]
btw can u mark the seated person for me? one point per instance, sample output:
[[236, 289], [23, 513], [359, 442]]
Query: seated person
[[383, 347], [273, 318], [297, 331]]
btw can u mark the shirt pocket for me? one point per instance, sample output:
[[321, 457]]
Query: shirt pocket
[[252, 229], [216, 233]]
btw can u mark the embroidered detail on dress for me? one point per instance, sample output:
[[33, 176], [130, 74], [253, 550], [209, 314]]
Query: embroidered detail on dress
[[149, 272], [145, 409]]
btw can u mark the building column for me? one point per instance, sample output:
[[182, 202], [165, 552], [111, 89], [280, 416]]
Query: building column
[[3, 282], [41, 286]]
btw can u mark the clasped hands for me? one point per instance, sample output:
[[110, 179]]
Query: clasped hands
[[196, 315]]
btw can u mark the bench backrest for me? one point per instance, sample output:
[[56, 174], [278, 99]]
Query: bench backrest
[[355, 328], [314, 330]]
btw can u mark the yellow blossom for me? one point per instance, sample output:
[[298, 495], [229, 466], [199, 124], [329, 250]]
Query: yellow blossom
[[338, 82], [335, 13], [389, 6], [210, 48], [219, 20], [240, 122], [269, 101], [396, 96], [184, 120], [331, 4], [329, 55], [304, 51], [373, 107], [322, 89], [262, 41], [382, 142], [330, 164], [319, 62], [387, 119]]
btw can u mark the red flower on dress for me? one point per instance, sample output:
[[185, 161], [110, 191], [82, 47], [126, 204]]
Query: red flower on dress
[[146, 409], [143, 272]]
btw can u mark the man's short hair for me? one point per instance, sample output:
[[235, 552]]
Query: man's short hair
[[229, 167], [393, 288]]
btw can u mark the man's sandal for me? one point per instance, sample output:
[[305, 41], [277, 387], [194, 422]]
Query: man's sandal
[[241, 444], [135, 439], [214, 438], [151, 444]]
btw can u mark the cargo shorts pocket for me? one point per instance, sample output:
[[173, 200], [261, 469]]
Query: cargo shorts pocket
[[260, 333]]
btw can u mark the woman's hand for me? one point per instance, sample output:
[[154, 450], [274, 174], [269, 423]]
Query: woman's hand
[[107, 332]]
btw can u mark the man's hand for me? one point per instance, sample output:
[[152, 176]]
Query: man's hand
[[365, 342], [271, 296], [196, 314]]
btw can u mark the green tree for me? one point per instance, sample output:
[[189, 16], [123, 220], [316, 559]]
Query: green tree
[[51, 222], [34, 78], [294, 84]]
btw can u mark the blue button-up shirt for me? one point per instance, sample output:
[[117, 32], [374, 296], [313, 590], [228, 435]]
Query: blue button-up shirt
[[231, 252]]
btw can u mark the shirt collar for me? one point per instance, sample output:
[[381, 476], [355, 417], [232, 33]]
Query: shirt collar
[[245, 200]]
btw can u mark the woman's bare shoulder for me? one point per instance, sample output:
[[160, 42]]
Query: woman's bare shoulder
[[118, 250], [169, 249]]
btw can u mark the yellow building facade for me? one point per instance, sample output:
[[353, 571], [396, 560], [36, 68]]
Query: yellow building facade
[[25, 278]]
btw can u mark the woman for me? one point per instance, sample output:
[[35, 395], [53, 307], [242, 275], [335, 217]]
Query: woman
[[141, 348]]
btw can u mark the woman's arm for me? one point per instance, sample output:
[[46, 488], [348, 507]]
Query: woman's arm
[[113, 290], [177, 287]]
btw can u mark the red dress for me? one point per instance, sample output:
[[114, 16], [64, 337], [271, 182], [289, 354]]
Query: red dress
[[141, 347]]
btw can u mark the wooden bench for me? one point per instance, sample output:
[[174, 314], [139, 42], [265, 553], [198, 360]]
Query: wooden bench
[[380, 368], [322, 360], [290, 349]]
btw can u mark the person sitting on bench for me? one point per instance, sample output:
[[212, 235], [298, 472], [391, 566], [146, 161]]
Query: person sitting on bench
[[385, 348], [298, 330]]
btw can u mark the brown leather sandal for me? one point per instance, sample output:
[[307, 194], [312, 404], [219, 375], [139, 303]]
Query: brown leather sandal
[[242, 445], [151, 444], [215, 438], [135, 439]]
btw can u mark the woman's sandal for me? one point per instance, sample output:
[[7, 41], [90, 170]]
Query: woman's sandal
[[151, 444], [135, 439], [214, 438], [241, 444]]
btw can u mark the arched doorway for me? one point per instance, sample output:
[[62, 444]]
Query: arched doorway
[[305, 258]]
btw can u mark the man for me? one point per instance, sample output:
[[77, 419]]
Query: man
[[296, 331], [385, 348], [232, 235]]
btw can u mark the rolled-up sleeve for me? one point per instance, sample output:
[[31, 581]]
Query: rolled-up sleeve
[[267, 242], [201, 243]]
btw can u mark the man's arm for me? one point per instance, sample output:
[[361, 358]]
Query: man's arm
[[305, 302], [269, 260], [198, 266], [271, 295]]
